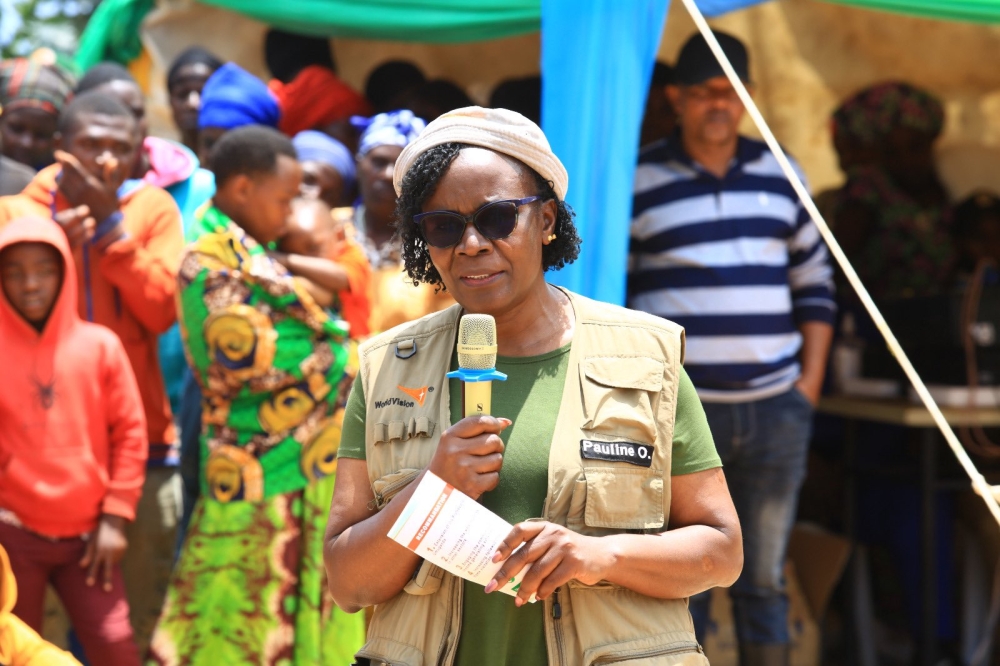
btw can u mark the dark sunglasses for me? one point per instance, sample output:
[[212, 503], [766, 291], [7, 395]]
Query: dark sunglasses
[[494, 220]]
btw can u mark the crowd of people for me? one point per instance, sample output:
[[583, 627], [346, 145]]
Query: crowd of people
[[184, 323]]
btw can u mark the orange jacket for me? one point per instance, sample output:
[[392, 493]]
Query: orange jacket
[[20, 645], [130, 287], [72, 432]]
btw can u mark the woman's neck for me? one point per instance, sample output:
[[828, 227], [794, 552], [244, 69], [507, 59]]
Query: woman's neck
[[542, 322]]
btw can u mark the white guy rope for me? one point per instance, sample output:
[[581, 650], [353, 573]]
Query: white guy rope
[[978, 481]]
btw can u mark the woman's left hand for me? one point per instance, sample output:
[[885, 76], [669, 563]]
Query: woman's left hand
[[556, 555]]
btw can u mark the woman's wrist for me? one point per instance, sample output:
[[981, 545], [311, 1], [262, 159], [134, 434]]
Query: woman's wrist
[[605, 555]]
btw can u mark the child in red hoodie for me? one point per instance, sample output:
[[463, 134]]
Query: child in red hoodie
[[73, 444]]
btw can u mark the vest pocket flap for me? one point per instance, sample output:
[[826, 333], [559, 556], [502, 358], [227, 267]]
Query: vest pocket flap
[[620, 396], [627, 372], [386, 487], [669, 649], [426, 580], [624, 499], [419, 426]]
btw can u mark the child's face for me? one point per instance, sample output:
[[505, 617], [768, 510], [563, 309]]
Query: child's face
[[267, 200], [308, 229], [300, 241], [32, 274]]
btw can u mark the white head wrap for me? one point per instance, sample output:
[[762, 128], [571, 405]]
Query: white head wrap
[[501, 130]]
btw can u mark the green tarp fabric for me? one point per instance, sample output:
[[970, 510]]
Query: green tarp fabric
[[445, 21], [977, 11], [113, 33], [440, 21]]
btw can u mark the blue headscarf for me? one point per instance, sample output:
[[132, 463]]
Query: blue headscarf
[[318, 147], [396, 128], [233, 97]]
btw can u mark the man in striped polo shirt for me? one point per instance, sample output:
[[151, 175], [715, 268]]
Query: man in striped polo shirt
[[721, 245]]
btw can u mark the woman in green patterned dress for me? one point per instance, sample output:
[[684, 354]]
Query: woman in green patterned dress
[[249, 587]]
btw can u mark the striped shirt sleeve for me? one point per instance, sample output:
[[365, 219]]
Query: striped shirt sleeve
[[810, 274]]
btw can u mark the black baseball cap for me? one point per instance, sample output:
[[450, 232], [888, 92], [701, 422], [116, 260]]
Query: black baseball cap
[[697, 64]]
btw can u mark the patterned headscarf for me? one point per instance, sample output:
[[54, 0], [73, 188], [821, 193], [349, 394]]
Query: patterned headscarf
[[27, 83], [871, 114], [900, 104], [854, 121], [396, 128]]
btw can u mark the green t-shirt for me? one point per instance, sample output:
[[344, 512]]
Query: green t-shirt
[[494, 631]]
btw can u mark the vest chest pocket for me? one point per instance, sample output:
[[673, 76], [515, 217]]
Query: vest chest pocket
[[621, 395], [623, 498]]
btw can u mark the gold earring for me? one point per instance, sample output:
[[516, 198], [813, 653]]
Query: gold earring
[[552, 238]]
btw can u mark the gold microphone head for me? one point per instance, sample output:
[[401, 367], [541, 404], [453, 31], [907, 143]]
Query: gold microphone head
[[477, 342]]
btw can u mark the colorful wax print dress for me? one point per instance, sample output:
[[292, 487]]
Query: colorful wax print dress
[[250, 587]]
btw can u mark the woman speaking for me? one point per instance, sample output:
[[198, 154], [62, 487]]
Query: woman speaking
[[615, 542]]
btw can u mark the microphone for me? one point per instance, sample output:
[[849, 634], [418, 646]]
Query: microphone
[[477, 360]]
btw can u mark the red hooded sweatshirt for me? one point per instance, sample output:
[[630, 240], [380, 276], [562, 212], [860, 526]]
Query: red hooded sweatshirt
[[129, 287], [72, 431]]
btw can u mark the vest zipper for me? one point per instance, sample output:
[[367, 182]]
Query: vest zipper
[[652, 652], [557, 626]]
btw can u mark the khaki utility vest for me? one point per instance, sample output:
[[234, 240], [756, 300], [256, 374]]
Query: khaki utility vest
[[621, 386]]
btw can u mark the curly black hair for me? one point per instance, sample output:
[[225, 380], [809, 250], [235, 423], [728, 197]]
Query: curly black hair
[[420, 183]]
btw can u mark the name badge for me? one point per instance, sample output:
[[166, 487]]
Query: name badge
[[627, 452]]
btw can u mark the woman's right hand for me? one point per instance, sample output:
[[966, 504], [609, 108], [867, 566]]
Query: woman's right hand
[[470, 454]]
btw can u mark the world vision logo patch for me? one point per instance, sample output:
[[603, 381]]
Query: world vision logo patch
[[418, 394]]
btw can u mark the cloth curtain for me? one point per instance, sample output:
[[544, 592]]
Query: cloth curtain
[[597, 61]]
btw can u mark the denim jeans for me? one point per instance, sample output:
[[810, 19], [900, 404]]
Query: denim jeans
[[763, 446]]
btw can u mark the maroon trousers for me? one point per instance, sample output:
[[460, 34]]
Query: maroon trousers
[[101, 619]]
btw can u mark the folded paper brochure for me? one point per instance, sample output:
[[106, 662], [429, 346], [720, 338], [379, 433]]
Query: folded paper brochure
[[448, 528]]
